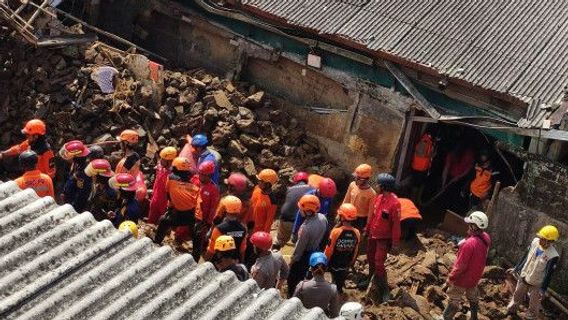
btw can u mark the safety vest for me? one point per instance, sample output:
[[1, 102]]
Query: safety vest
[[481, 185], [408, 210], [423, 154]]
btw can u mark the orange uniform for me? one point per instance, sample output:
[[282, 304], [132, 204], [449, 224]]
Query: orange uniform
[[221, 212], [362, 199], [341, 250], [423, 152], [45, 162], [482, 183], [40, 182], [181, 194], [408, 210], [262, 210]]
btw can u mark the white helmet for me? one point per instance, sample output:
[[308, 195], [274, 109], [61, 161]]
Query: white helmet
[[351, 311], [478, 218]]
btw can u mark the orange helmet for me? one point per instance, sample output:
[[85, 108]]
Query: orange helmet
[[363, 171], [268, 175], [123, 181], [181, 164], [129, 136], [99, 167], [34, 126], [347, 211], [309, 202], [232, 204], [168, 153]]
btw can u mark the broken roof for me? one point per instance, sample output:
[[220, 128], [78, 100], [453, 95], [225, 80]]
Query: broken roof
[[517, 48], [57, 264]]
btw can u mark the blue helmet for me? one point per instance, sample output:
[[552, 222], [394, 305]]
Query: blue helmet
[[386, 181], [318, 258], [199, 140]]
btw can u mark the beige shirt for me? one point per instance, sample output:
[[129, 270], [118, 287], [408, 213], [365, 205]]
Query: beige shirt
[[362, 199], [534, 269]]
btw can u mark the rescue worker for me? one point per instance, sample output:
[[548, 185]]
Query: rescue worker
[[361, 195], [182, 196], [383, 232], [230, 226], [130, 227], [263, 204], [103, 198], [421, 164], [96, 152], [409, 218], [481, 185], [224, 257], [159, 201], [33, 178], [270, 270], [325, 192], [78, 186], [351, 311], [129, 208], [290, 207], [238, 186], [201, 154], [317, 292], [310, 239], [535, 271], [207, 202], [343, 245], [36, 141], [468, 267], [130, 163]]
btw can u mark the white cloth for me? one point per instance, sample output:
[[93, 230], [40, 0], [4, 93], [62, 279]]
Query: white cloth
[[104, 76]]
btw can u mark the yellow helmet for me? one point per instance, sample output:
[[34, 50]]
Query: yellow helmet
[[129, 226], [549, 233], [225, 243], [168, 153]]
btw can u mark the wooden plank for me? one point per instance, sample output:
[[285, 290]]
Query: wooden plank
[[454, 223], [407, 84], [423, 119], [405, 142]]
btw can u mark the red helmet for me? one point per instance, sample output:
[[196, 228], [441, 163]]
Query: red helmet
[[238, 181], [123, 181], [261, 240], [99, 167], [75, 148], [206, 167], [300, 176], [327, 188], [34, 126]]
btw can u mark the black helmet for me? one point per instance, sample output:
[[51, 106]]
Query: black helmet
[[28, 160], [96, 152], [386, 181]]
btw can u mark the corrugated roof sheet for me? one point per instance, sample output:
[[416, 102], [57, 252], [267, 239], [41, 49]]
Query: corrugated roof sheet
[[57, 264], [513, 47]]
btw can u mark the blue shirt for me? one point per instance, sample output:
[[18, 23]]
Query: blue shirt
[[208, 156]]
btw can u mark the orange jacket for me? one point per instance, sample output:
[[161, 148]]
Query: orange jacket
[[262, 211], [408, 210], [182, 195], [362, 199], [343, 246], [40, 182], [45, 162], [423, 151], [481, 184], [231, 228], [221, 212]]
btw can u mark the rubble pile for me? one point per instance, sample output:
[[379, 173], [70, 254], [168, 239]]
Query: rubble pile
[[58, 86], [417, 278]]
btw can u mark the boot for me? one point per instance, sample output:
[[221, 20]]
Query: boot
[[364, 284], [383, 289], [473, 309], [450, 311]]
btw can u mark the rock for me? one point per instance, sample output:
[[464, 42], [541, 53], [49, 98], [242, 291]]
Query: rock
[[172, 91], [222, 101], [250, 142], [249, 166], [235, 148], [494, 273], [255, 100], [434, 294]]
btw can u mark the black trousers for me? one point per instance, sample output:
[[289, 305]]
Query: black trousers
[[338, 277], [174, 218], [298, 272], [199, 239]]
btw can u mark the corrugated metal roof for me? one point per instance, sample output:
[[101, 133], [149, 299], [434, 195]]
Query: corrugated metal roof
[[57, 264], [513, 47]]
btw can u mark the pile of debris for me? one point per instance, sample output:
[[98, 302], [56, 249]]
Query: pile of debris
[[163, 106], [417, 279]]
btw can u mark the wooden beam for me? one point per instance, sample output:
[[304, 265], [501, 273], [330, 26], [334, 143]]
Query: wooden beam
[[404, 148], [424, 119], [407, 84]]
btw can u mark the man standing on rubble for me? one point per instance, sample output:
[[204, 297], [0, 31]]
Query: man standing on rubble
[[468, 267], [230, 226], [33, 178], [201, 154], [130, 163], [270, 270], [103, 198], [361, 195], [310, 239], [238, 186], [383, 231], [206, 204], [78, 186], [159, 201], [35, 131], [535, 271], [290, 207]]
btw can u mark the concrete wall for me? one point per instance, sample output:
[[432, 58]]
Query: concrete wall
[[513, 224]]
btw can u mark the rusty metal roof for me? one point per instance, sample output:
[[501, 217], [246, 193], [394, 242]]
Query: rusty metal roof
[[518, 48], [57, 264]]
